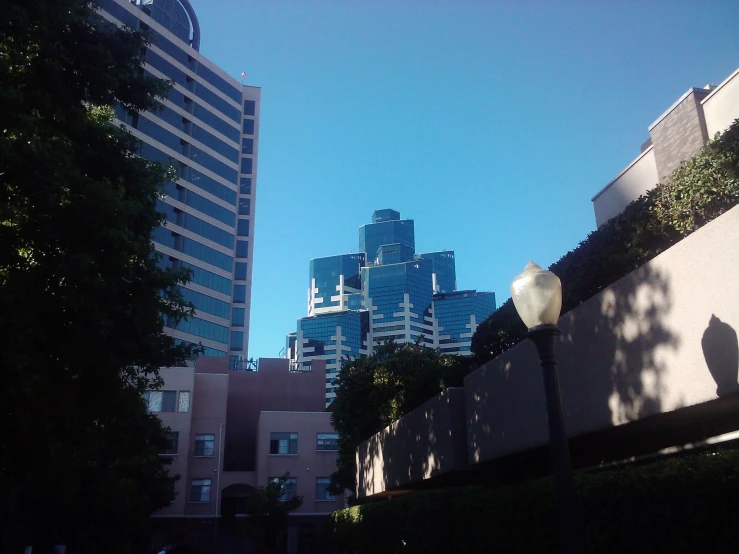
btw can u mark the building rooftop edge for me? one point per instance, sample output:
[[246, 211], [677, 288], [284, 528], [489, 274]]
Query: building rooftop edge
[[624, 170], [719, 87], [690, 91]]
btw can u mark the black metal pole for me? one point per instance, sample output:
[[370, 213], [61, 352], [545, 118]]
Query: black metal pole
[[544, 337]]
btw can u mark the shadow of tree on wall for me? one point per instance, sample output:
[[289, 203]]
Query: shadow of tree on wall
[[721, 351], [611, 372]]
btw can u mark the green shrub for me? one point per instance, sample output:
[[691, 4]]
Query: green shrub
[[701, 189], [684, 504]]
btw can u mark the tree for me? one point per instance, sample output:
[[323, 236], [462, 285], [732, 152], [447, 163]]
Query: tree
[[269, 507], [374, 391], [83, 297]]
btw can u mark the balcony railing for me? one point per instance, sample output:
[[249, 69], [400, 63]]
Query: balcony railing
[[299, 367], [244, 365]]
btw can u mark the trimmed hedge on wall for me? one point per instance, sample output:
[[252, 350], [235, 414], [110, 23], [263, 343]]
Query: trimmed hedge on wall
[[701, 189], [681, 504]]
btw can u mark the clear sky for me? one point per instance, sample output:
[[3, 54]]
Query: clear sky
[[491, 124]]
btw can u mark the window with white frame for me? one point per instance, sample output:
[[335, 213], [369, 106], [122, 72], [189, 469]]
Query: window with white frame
[[200, 490], [327, 441], [322, 492], [204, 445], [283, 444]]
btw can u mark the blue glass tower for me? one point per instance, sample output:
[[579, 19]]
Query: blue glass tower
[[208, 129], [386, 292]]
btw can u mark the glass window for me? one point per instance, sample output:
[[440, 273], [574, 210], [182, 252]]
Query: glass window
[[242, 229], [322, 492], [201, 135], [245, 185], [184, 404], [208, 279], [242, 248], [211, 119], [220, 83], [289, 489], [248, 127], [327, 441], [240, 293], [250, 107], [212, 99], [205, 303], [214, 165], [174, 438], [240, 271], [194, 200], [200, 490], [201, 328], [161, 400], [244, 206], [238, 317], [246, 165], [204, 445], [237, 340], [247, 147], [283, 444]]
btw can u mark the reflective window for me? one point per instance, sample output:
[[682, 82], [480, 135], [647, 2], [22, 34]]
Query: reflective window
[[204, 445], [206, 254], [209, 162], [212, 99], [201, 328], [162, 65], [208, 184], [177, 52], [250, 107], [240, 271], [225, 150], [201, 204], [289, 488], [240, 293], [248, 127], [173, 439], [161, 400], [209, 118], [242, 228], [247, 147], [327, 441], [170, 116], [159, 134], [205, 303], [208, 279], [238, 317], [237, 340], [121, 14], [242, 248], [200, 490], [322, 486], [283, 444], [247, 165], [244, 206], [195, 224], [219, 82]]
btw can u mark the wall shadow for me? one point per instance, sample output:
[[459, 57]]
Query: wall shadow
[[721, 352]]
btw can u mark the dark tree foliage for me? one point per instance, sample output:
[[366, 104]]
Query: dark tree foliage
[[268, 510], [82, 296], [701, 189], [374, 391]]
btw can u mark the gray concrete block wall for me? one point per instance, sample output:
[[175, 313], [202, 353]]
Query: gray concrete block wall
[[680, 134]]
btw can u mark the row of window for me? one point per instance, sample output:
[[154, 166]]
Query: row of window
[[205, 303], [194, 200], [200, 489], [201, 328], [193, 248], [195, 224], [286, 444]]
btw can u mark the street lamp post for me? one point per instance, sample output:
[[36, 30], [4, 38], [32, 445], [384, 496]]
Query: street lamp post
[[537, 296]]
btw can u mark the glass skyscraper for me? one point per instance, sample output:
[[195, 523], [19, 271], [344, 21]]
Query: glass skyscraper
[[208, 128], [386, 292]]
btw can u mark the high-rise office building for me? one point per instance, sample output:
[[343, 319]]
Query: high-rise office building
[[384, 292], [208, 128]]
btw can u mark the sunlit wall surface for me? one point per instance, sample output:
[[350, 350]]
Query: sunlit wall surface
[[208, 129]]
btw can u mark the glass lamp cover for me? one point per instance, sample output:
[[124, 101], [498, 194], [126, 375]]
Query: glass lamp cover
[[537, 295]]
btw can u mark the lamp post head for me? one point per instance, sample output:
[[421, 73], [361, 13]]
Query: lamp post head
[[537, 296]]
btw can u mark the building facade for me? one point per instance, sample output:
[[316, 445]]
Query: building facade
[[231, 431], [678, 134], [208, 129], [384, 292]]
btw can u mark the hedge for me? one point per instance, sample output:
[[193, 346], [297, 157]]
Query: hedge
[[701, 189], [681, 504]]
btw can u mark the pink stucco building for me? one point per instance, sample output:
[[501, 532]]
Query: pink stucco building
[[234, 430]]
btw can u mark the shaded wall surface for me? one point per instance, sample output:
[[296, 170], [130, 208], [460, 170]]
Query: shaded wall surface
[[272, 388], [660, 339], [429, 441], [650, 362]]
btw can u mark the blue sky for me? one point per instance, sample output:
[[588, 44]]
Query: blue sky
[[491, 124]]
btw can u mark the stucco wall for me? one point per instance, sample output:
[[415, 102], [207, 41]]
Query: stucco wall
[[427, 442], [721, 107], [307, 465], [638, 178], [660, 339]]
